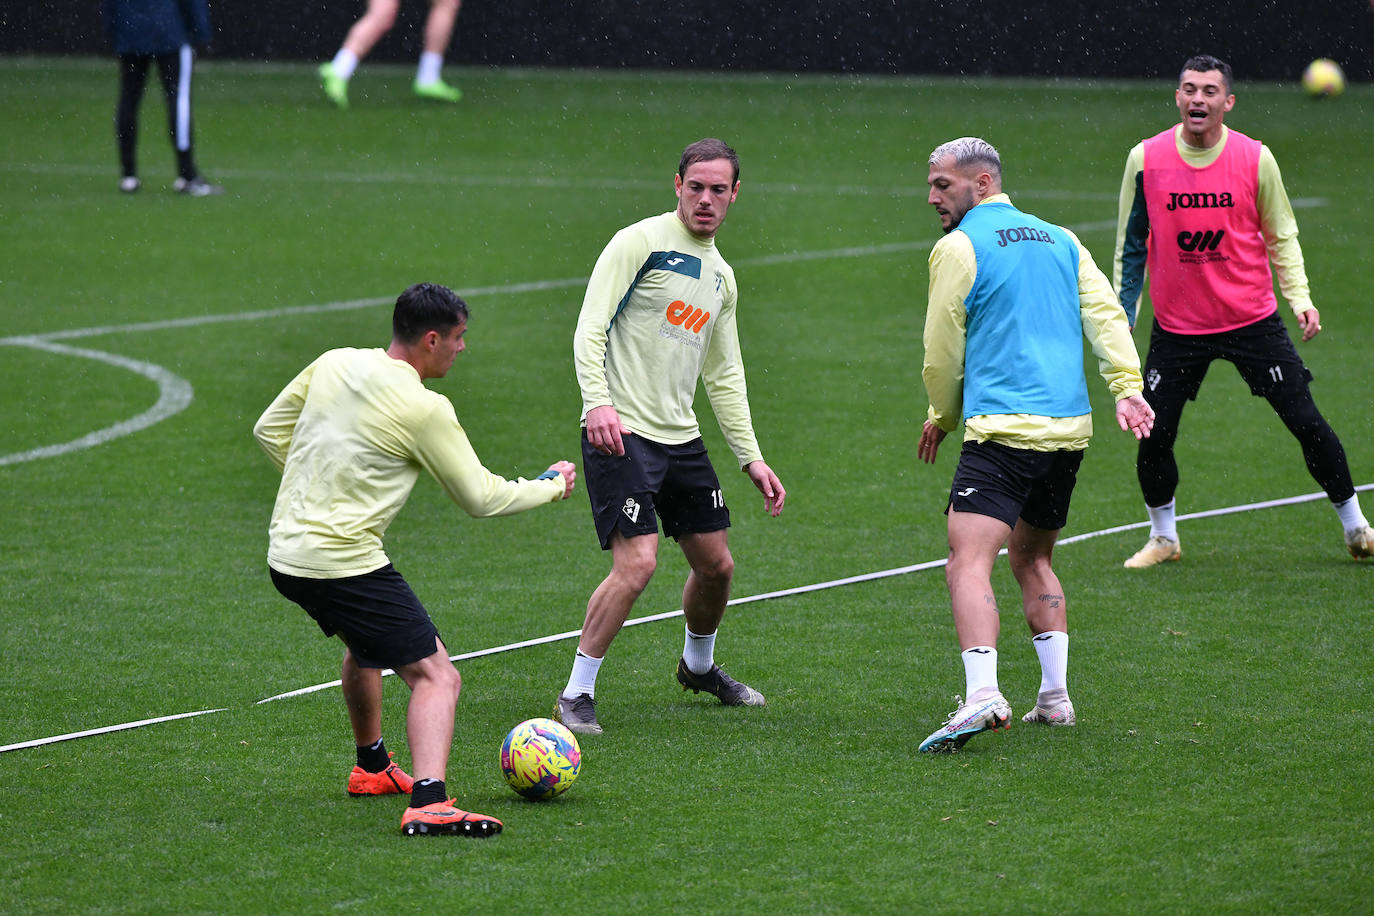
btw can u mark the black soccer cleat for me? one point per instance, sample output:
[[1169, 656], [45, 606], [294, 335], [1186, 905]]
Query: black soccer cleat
[[719, 684]]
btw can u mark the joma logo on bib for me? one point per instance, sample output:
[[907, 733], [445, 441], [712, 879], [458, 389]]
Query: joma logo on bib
[[1199, 200]]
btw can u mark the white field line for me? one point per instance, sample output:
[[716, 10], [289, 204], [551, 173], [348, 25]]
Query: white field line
[[782, 593], [107, 729], [915, 189], [174, 394]]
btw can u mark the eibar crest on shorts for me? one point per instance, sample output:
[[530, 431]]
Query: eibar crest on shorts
[[631, 510]]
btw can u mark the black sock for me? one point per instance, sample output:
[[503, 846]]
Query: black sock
[[374, 759], [428, 792]]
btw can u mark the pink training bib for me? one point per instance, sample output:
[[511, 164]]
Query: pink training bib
[[1208, 265]]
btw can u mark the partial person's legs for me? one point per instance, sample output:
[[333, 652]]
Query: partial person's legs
[[439, 26], [1157, 471], [366, 32], [1326, 462], [1321, 449], [633, 561], [362, 690], [708, 584], [133, 78], [438, 33], [434, 687], [974, 541], [374, 773], [1030, 550], [175, 73], [704, 597]]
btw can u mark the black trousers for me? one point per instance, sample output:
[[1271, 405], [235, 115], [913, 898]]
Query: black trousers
[[1267, 360], [175, 72]]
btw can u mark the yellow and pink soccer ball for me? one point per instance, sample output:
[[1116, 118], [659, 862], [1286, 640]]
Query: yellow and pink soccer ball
[[540, 759], [1323, 78]]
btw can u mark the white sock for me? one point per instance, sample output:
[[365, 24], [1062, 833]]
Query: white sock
[[345, 62], [1053, 648], [699, 652], [1351, 516], [428, 71], [583, 677], [980, 672], [1162, 521]]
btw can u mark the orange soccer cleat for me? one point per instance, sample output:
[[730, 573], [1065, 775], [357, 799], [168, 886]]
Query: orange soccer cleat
[[443, 818], [391, 781]]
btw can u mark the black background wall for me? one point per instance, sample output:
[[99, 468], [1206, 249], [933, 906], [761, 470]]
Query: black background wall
[[1263, 39]]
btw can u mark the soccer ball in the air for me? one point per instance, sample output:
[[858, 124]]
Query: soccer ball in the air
[[540, 758], [1323, 78]]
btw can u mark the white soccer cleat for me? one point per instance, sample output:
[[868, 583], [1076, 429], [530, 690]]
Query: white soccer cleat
[[1360, 542], [1158, 549], [1056, 714], [969, 719]]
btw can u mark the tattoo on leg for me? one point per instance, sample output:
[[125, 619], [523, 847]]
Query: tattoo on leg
[[1054, 601]]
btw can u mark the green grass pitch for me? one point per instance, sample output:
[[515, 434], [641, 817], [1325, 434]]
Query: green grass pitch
[[1222, 763]]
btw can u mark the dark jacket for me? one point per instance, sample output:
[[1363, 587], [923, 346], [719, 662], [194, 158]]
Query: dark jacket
[[156, 26]]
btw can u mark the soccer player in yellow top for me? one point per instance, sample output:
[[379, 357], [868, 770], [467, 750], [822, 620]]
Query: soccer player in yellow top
[[1203, 208], [658, 314], [351, 434], [1012, 298]]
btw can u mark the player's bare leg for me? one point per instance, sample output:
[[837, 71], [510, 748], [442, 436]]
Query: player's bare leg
[[633, 560], [362, 690], [434, 687], [1029, 551], [374, 773], [974, 541], [376, 22], [439, 26], [438, 33], [708, 584]]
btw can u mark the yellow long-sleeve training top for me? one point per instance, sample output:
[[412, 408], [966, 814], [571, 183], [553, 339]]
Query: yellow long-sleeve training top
[[350, 435], [659, 312]]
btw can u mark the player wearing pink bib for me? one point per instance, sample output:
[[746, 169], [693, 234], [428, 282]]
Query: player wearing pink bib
[[1204, 210], [1216, 278]]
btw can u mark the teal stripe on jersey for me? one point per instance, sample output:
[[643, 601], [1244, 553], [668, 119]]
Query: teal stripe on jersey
[[686, 264]]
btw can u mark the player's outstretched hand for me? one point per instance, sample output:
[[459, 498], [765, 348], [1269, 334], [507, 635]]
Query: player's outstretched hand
[[1136, 415], [1310, 322], [604, 430], [773, 493], [569, 472], [931, 437]]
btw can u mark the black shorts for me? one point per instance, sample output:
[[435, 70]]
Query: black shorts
[[1008, 483], [376, 615], [652, 481], [1262, 352]]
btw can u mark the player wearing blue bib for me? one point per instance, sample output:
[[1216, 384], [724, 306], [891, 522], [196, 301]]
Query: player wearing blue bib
[[1011, 300]]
